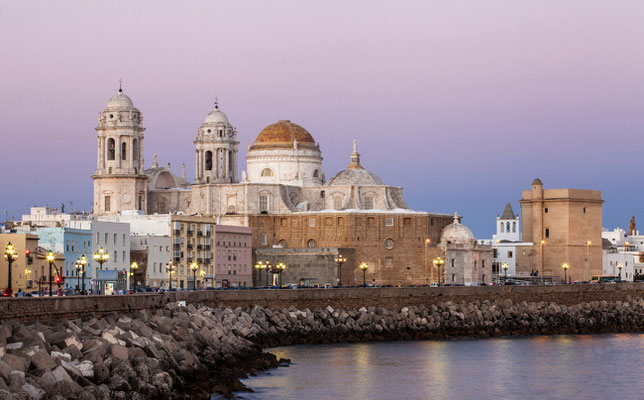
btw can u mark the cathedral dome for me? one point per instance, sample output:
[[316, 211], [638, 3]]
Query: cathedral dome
[[457, 233], [216, 116], [120, 100], [282, 135], [355, 174]]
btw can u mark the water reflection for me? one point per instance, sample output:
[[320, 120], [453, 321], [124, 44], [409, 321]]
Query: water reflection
[[553, 367]]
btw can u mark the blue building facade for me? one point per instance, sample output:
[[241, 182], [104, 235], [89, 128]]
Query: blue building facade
[[73, 243]]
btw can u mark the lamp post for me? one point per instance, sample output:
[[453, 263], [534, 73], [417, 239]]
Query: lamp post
[[267, 267], [101, 256], [588, 243], [258, 268], [50, 260], [340, 259], [505, 267], [438, 261], [619, 266], [364, 267], [133, 267], [541, 275], [194, 267], [565, 267], [10, 255], [202, 273], [79, 268], [427, 241], [83, 262], [170, 268], [279, 268]]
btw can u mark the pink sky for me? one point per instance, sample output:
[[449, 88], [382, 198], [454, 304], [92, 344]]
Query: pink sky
[[461, 103]]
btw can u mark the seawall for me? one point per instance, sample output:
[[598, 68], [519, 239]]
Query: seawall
[[46, 309]]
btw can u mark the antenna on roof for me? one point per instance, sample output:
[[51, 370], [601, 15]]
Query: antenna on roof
[[120, 83]]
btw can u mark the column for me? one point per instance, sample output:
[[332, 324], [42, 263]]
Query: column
[[99, 159], [196, 165], [225, 164]]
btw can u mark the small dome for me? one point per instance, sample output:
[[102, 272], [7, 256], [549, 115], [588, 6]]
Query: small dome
[[537, 181], [282, 135], [216, 116], [120, 100], [457, 233], [355, 177]]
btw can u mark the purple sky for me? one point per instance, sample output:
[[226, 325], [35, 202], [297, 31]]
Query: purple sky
[[461, 103]]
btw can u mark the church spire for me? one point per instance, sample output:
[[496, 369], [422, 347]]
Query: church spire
[[355, 156]]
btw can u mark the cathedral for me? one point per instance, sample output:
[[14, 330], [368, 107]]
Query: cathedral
[[282, 194]]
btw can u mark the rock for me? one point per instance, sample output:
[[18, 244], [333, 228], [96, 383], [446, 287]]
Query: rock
[[14, 346], [163, 382], [16, 363], [34, 392], [86, 369], [43, 360], [16, 379], [118, 351], [5, 395], [74, 341]]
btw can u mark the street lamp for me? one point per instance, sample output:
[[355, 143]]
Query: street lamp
[[505, 267], [565, 267], [170, 268], [50, 259], [364, 267], [194, 267], [83, 263], [79, 268], [619, 266], [427, 241], [279, 268], [203, 279], [438, 261], [10, 255], [101, 256], [541, 275], [258, 267], [340, 259], [133, 267], [267, 267]]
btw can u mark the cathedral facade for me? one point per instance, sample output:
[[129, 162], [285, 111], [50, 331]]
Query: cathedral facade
[[282, 194]]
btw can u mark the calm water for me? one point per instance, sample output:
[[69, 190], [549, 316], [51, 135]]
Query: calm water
[[543, 367]]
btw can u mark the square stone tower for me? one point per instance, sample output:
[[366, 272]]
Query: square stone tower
[[564, 226]]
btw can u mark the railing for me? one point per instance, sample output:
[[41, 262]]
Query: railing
[[189, 245], [199, 246], [190, 232]]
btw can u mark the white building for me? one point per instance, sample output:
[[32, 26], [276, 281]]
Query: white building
[[467, 262], [53, 218], [622, 249], [152, 253], [114, 238]]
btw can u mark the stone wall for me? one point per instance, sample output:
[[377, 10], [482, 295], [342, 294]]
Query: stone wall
[[49, 309]]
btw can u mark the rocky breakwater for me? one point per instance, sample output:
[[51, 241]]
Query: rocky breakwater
[[184, 352]]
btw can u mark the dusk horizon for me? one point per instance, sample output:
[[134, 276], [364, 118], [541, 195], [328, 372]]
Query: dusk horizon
[[461, 106]]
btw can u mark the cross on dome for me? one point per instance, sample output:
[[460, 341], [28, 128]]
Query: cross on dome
[[120, 85], [355, 156], [216, 103]]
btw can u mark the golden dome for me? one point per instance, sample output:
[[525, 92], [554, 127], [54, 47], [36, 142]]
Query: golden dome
[[281, 135]]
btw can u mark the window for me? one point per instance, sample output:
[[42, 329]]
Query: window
[[368, 202], [311, 222], [106, 237], [98, 238], [311, 244], [389, 244], [124, 240], [584, 210], [267, 172], [389, 221], [371, 221], [135, 150], [547, 233], [509, 254], [123, 151], [507, 227], [282, 243], [263, 203], [452, 263], [514, 227], [388, 260], [262, 239], [316, 173], [107, 203], [546, 210], [115, 239], [209, 160], [337, 202], [494, 253], [123, 255], [115, 256], [483, 266], [111, 149], [407, 222], [340, 221], [501, 227]]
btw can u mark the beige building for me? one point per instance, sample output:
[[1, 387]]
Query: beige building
[[192, 241], [467, 262], [565, 226]]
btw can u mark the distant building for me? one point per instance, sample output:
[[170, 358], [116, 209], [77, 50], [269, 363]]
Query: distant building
[[72, 244], [192, 242], [233, 256], [114, 238], [25, 271], [625, 250], [53, 217], [466, 261], [151, 253], [564, 226]]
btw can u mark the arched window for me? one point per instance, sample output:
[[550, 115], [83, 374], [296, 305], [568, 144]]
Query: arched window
[[507, 227], [316, 174], [337, 202], [514, 227], [209, 160], [311, 244], [263, 203], [111, 149], [282, 243], [123, 151], [267, 172], [135, 149], [501, 227]]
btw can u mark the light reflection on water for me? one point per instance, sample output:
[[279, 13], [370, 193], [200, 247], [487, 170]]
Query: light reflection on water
[[543, 367]]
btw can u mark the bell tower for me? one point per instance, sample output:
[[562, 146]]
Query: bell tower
[[216, 150], [119, 181]]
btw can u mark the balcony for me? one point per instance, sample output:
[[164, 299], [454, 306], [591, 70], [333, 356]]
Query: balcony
[[207, 247], [176, 246], [207, 233], [199, 246], [199, 233], [200, 260], [189, 259], [190, 232], [176, 232], [189, 245], [176, 258]]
